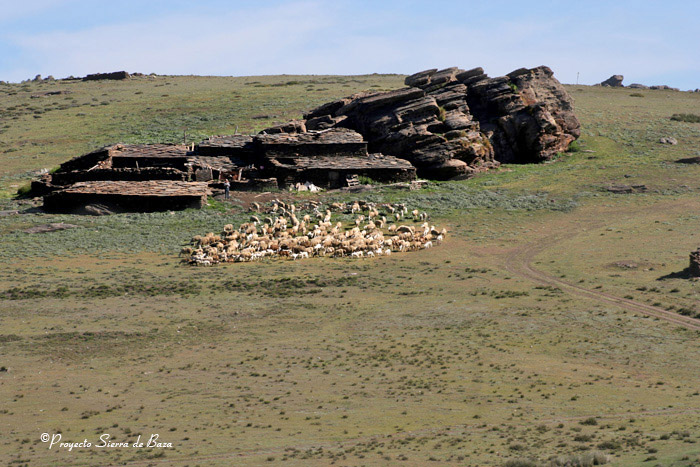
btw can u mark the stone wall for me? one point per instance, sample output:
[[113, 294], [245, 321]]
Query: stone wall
[[147, 173]]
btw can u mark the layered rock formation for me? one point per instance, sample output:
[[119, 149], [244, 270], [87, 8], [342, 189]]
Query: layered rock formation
[[116, 75], [528, 112], [615, 81], [454, 122]]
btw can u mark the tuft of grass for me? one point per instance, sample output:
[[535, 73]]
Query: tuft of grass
[[441, 113]]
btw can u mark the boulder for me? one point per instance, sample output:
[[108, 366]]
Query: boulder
[[96, 210], [615, 81], [294, 126], [637, 86]]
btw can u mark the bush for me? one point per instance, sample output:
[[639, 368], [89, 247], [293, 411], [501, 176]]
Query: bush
[[688, 118], [575, 146], [521, 463], [587, 459], [611, 445], [24, 190], [367, 180], [636, 94]]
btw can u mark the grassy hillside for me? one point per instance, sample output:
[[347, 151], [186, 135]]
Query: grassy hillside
[[501, 345]]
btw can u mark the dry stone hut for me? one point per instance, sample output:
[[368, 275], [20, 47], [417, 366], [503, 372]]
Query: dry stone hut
[[152, 177]]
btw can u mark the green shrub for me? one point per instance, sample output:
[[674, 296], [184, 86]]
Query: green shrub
[[367, 180], [575, 146], [636, 94], [24, 190], [521, 463], [587, 459], [688, 118], [611, 445]]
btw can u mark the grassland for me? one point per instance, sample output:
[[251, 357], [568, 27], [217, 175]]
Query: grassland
[[452, 356]]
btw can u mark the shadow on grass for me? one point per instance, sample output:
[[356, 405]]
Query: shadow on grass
[[689, 160], [684, 274]]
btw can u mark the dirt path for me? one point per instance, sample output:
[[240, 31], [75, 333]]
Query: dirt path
[[519, 262]]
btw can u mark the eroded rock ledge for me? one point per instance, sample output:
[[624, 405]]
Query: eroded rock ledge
[[454, 122]]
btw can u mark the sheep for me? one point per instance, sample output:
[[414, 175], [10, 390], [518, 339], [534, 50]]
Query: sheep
[[254, 242]]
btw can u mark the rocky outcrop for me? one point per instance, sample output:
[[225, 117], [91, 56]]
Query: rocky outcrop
[[454, 122], [116, 75], [637, 86], [432, 128], [694, 268], [663, 87], [615, 81], [528, 112]]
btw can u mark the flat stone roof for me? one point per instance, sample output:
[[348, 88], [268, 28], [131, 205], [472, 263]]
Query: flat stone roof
[[143, 188], [217, 163], [373, 161], [149, 150], [332, 136], [230, 141]]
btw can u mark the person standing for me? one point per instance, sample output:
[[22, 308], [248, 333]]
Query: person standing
[[227, 189]]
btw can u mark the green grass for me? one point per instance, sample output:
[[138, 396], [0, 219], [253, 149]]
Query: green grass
[[447, 356]]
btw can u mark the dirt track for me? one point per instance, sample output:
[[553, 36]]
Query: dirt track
[[519, 262]]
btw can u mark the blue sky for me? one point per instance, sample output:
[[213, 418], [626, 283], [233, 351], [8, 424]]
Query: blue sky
[[647, 42]]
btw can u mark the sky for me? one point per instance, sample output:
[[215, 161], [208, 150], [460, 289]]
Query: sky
[[649, 42]]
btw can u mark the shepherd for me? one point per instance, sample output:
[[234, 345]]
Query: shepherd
[[227, 189]]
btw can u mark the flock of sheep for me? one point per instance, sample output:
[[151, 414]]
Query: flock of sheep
[[375, 232]]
